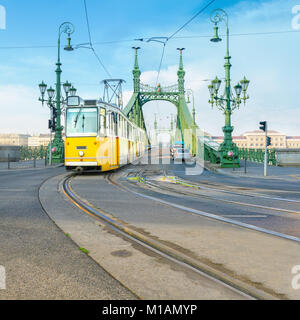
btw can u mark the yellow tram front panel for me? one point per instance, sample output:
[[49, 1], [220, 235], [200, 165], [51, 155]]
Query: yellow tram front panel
[[91, 152]]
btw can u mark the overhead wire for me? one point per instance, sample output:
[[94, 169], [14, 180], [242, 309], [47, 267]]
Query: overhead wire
[[160, 64], [91, 43], [145, 39], [178, 30], [190, 20]]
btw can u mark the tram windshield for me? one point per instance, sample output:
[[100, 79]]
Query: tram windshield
[[81, 122]]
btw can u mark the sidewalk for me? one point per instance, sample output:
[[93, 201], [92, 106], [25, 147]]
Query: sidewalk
[[256, 170], [28, 164]]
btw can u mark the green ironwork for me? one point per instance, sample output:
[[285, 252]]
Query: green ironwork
[[30, 153], [174, 94], [258, 155], [210, 149], [194, 125], [56, 147], [227, 102], [58, 143]]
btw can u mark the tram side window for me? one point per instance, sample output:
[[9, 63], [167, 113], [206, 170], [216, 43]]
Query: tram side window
[[121, 126], [102, 122], [126, 129], [130, 132], [116, 122], [111, 124]]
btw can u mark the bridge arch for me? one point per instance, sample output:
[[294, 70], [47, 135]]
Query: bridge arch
[[174, 94]]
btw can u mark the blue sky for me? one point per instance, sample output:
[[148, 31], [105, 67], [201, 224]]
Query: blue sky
[[271, 62]]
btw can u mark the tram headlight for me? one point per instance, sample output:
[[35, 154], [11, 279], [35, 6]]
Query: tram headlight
[[81, 153]]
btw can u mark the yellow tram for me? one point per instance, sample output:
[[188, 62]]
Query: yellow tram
[[99, 136]]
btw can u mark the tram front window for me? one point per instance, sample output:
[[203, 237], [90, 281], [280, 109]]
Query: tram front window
[[81, 122]]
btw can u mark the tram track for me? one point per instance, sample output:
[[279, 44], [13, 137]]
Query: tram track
[[222, 218], [233, 190], [187, 193], [162, 249]]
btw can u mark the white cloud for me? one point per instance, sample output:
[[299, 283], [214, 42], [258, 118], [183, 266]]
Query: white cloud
[[21, 112], [126, 96]]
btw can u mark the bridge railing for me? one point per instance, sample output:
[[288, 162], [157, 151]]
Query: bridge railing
[[210, 149], [147, 88], [211, 153], [258, 155]]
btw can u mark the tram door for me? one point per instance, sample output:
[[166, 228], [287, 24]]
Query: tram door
[[114, 141]]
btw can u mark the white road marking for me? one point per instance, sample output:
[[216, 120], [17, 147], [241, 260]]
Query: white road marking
[[13, 190], [219, 217], [244, 216]]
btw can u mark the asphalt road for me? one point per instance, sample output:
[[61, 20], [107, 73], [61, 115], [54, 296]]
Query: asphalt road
[[278, 221], [207, 176], [41, 262], [256, 256]]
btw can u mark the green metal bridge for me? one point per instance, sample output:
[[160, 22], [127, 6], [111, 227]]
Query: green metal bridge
[[186, 129]]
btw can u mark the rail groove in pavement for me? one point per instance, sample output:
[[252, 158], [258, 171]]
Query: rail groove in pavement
[[161, 249]]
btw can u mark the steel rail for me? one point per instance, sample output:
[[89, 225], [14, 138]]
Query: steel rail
[[222, 200], [211, 215], [163, 250], [233, 191]]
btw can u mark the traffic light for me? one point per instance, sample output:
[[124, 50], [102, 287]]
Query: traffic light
[[53, 113], [263, 125], [268, 141], [52, 121], [52, 124]]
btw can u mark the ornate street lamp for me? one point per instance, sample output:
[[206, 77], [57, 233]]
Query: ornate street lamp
[[55, 122], [53, 110], [51, 93], [227, 102], [73, 91], [67, 86], [43, 88], [50, 103], [58, 144]]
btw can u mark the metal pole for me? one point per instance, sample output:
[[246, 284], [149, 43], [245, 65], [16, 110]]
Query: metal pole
[[8, 162], [245, 165], [266, 150], [50, 149]]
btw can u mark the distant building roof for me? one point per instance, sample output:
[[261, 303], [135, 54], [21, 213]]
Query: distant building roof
[[260, 131]]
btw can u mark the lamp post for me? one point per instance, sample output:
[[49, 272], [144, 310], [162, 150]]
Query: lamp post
[[194, 125], [57, 148], [227, 102], [54, 119], [50, 103]]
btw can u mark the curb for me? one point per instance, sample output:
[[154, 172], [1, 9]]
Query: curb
[[31, 168]]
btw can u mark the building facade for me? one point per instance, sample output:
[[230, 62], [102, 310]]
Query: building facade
[[12, 139], [37, 141], [256, 140]]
